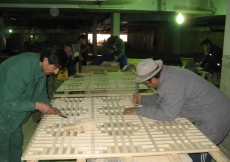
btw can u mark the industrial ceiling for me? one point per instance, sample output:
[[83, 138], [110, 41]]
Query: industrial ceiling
[[134, 14]]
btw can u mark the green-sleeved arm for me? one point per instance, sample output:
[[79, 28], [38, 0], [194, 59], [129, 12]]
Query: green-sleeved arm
[[120, 48], [44, 96], [107, 47]]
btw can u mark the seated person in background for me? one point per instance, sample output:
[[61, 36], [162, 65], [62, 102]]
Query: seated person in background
[[81, 50], [114, 50], [212, 60], [68, 48]]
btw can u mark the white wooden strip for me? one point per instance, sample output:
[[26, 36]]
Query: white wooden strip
[[128, 159], [81, 160], [175, 158], [219, 156]]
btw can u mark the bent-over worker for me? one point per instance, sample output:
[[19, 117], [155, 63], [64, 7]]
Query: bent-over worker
[[182, 93], [22, 91]]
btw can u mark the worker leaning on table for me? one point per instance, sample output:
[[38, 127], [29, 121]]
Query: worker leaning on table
[[182, 93], [23, 90]]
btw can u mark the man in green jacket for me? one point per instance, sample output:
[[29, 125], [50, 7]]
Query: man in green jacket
[[113, 50], [22, 91]]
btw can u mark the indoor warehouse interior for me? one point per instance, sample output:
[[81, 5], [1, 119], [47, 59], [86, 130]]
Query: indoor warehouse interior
[[95, 104]]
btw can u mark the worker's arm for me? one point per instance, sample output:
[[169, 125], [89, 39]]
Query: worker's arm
[[46, 109], [44, 96], [168, 107], [137, 98], [87, 47], [120, 48], [108, 48]]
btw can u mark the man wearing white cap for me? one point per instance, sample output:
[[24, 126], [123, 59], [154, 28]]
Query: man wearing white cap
[[182, 93]]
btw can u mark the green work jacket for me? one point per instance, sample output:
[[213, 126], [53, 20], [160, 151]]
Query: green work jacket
[[119, 48], [22, 84]]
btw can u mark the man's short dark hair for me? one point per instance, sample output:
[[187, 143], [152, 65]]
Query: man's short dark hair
[[205, 41], [68, 44], [112, 40], [55, 55], [82, 36]]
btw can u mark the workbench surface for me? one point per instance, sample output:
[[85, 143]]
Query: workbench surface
[[116, 135]]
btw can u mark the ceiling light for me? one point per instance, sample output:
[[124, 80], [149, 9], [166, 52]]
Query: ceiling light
[[180, 18]]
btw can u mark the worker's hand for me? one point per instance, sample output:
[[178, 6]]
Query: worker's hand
[[136, 98], [130, 111], [81, 58], [115, 58], [111, 51], [54, 111], [46, 109]]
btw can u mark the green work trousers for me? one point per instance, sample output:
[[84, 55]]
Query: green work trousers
[[10, 144]]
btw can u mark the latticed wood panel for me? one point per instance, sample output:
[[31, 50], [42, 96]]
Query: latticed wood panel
[[134, 61], [130, 61], [100, 82], [116, 135]]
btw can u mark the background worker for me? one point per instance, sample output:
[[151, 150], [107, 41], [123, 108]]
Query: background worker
[[212, 59], [68, 48], [182, 93], [113, 50], [81, 50], [22, 91]]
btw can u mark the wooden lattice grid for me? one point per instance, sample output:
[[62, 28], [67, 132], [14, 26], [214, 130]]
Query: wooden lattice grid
[[132, 61], [116, 135], [100, 82]]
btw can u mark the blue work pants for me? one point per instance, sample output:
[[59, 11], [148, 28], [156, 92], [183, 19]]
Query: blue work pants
[[201, 157]]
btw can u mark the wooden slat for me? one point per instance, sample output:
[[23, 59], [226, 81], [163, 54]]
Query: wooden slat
[[175, 158], [162, 158], [81, 160], [219, 156], [128, 159]]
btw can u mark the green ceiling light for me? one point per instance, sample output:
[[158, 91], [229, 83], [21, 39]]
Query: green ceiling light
[[180, 18], [31, 36], [10, 31]]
